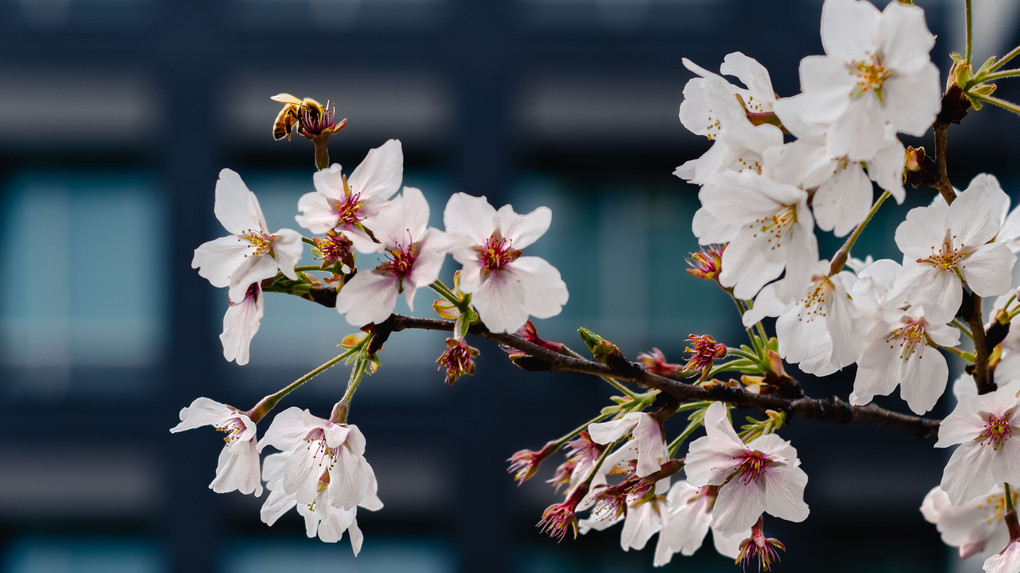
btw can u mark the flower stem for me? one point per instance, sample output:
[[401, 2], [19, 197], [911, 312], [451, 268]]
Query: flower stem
[[963, 328], [758, 345], [1012, 54], [620, 387], [445, 292], [1008, 106], [1014, 73], [970, 30], [308, 241], [841, 256], [343, 407], [266, 404]]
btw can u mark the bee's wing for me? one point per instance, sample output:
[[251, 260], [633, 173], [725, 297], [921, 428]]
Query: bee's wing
[[287, 98]]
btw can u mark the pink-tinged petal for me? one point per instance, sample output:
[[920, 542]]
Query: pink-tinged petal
[[544, 291], [334, 522], [719, 428], [329, 182], [912, 101], [843, 200], [904, 38], [202, 412], [924, 380], [236, 207], [301, 475], [278, 503], [738, 506], [351, 479], [652, 452], [989, 269], [287, 248], [705, 465], [609, 432], [1008, 561], [360, 240], [378, 176], [370, 297], [523, 230], [849, 29], [967, 473], [501, 302], [858, 133], [404, 220], [963, 424], [238, 469], [318, 215], [427, 266], [218, 259], [336, 435], [254, 269], [784, 492], [240, 323], [471, 216], [288, 430], [746, 269], [976, 215]]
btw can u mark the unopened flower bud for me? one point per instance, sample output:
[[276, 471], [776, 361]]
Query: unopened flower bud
[[655, 362]]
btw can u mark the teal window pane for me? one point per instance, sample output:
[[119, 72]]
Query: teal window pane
[[81, 555], [378, 555], [87, 253]]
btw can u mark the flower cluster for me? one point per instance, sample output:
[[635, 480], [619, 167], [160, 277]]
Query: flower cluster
[[779, 171]]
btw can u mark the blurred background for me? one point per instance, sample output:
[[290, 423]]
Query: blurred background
[[115, 118]]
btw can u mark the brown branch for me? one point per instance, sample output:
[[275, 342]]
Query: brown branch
[[830, 409]]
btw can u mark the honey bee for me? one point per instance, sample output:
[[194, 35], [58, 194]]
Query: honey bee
[[292, 112]]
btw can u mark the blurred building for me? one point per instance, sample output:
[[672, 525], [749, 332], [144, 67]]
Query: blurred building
[[115, 118]]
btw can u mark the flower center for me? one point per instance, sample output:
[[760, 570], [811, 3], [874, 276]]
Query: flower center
[[777, 225], [908, 337], [871, 76], [317, 446], [232, 427], [400, 261], [997, 431], [259, 240], [752, 467], [816, 303], [996, 507], [496, 253], [348, 209], [944, 260]]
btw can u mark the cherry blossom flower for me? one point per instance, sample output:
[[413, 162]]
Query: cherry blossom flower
[[414, 255], [820, 330], [506, 287], [843, 190], [719, 110], [322, 454], [899, 351], [322, 520], [238, 464], [351, 205], [646, 434], [983, 426], [944, 246], [761, 476], [974, 526], [876, 70], [240, 323], [768, 226], [251, 254], [458, 359], [688, 517]]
